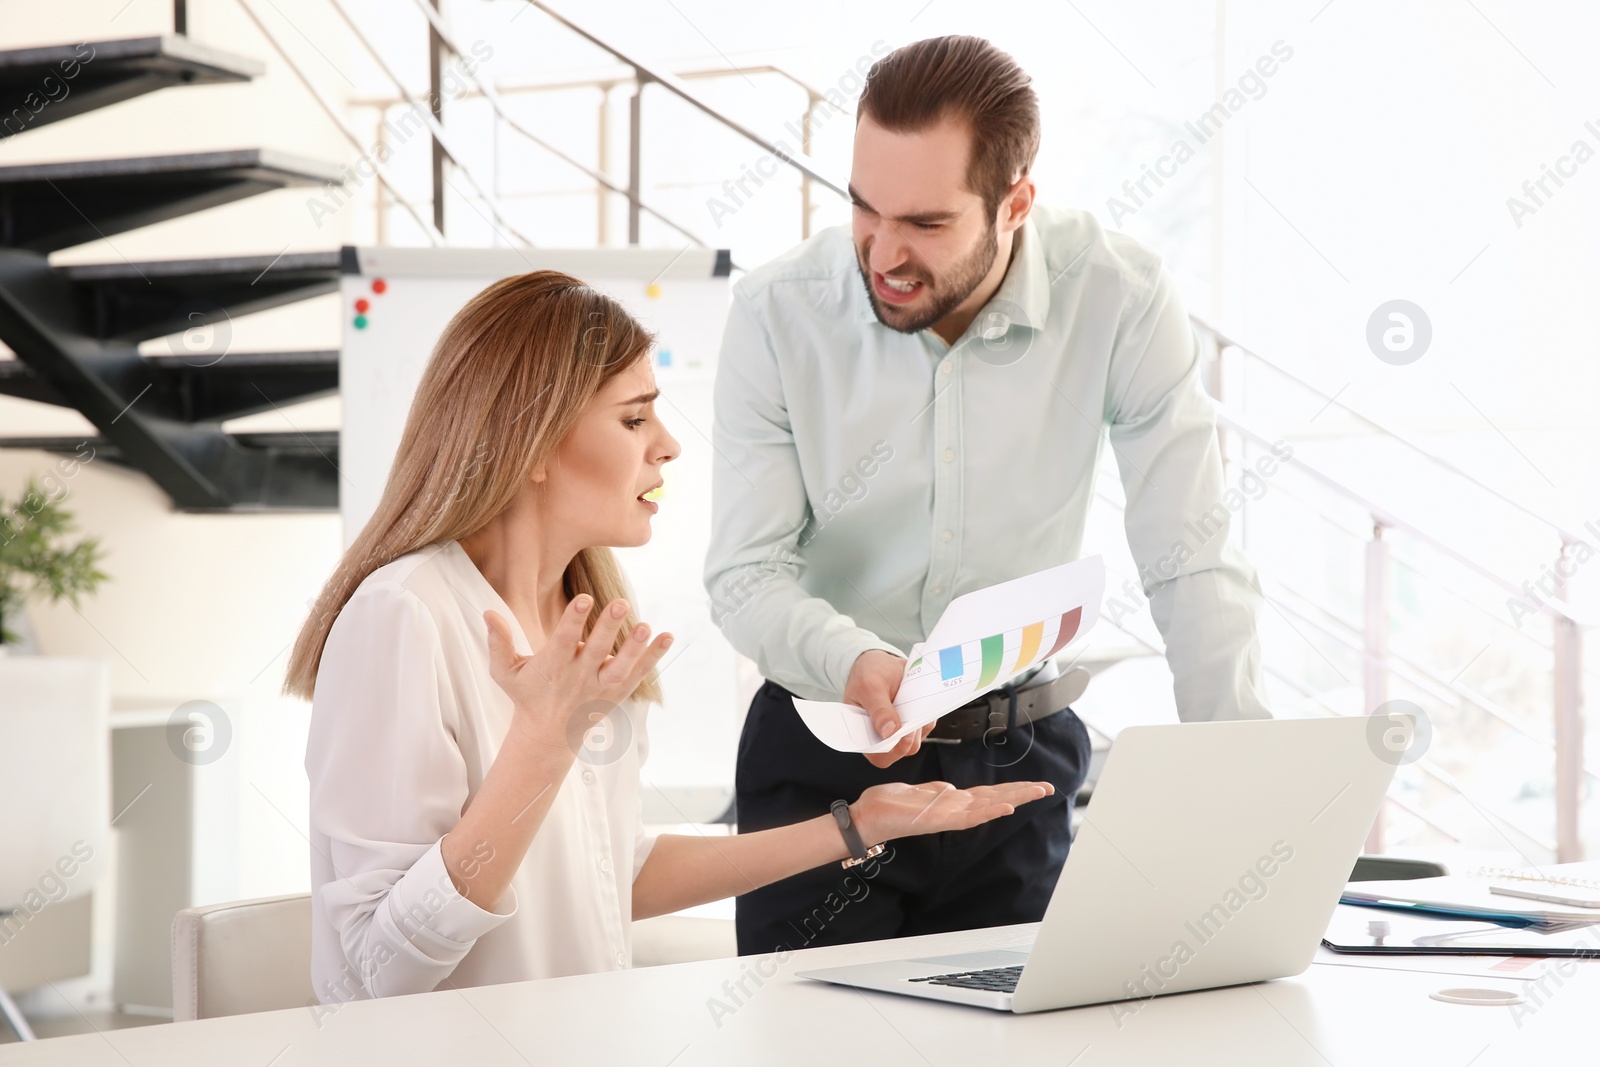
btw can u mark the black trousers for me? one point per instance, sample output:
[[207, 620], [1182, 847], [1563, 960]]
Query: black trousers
[[991, 875]]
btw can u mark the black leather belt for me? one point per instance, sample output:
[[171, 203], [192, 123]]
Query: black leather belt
[[1007, 707]]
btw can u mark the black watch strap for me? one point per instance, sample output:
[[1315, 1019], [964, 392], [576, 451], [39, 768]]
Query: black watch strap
[[847, 827], [859, 852]]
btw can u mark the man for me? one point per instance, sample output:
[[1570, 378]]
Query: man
[[911, 410]]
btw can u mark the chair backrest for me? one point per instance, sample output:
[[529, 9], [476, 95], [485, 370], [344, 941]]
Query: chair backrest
[[248, 955], [1390, 868], [682, 939]]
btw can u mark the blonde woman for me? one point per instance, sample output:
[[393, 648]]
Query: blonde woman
[[462, 833]]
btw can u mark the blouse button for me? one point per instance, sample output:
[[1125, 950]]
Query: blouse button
[[622, 960], [605, 866], [588, 778]]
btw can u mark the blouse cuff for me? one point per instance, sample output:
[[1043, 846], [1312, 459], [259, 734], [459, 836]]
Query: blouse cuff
[[434, 916]]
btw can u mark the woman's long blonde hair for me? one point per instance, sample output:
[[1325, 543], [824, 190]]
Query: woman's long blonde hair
[[505, 384]]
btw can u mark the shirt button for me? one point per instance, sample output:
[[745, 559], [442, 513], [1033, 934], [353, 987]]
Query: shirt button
[[945, 535], [605, 866], [949, 454], [938, 589], [944, 368], [588, 778]]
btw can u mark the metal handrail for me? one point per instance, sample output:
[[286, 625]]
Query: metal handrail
[[1413, 566], [1416, 674], [1423, 672], [1385, 517], [798, 160], [435, 238], [623, 74], [500, 110], [434, 126], [1224, 340], [1386, 664]]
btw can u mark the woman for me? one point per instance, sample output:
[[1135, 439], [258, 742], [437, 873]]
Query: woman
[[473, 637]]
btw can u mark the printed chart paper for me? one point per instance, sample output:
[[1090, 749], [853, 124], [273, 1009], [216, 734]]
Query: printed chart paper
[[983, 640]]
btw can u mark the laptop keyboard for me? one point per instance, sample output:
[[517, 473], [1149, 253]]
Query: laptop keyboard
[[993, 980]]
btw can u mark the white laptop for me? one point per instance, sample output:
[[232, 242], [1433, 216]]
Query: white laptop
[[1210, 854]]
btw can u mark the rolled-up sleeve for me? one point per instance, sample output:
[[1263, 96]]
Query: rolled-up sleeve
[[1203, 592], [388, 782]]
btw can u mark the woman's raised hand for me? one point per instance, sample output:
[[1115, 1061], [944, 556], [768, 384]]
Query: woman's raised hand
[[570, 677], [901, 809]]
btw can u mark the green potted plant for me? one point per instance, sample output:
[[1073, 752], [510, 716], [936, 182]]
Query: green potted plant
[[38, 556]]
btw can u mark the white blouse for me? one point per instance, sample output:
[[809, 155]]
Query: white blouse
[[405, 723]]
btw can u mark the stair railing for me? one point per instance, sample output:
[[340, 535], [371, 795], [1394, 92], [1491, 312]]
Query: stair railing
[[336, 116], [1379, 661]]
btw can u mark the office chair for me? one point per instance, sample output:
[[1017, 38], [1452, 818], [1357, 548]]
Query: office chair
[[1388, 868], [244, 956], [255, 955]]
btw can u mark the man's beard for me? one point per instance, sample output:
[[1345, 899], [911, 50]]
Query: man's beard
[[947, 292]]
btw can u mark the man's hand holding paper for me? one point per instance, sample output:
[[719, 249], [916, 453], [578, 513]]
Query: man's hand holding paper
[[983, 640]]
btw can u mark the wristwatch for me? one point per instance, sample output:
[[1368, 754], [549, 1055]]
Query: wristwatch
[[859, 852]]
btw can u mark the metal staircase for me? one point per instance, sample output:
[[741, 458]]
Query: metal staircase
[[76, 330]]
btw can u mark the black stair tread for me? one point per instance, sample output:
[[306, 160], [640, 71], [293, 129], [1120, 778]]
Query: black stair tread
[[271, 471], [45, 207], [100, 73], [208, 267], [236, 361], [179, 51], [240, 362], [239, 383], [285, 165], [20, 380], [207, 389], [325, 442], [138, 301]]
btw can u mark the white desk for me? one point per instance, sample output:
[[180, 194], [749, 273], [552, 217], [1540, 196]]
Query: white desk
[[659, 1016]]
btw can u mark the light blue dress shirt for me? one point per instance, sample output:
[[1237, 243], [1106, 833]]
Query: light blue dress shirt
[[864, 477]]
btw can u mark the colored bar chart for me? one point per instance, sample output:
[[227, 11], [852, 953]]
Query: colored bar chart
[[984, 639], [990, 659]]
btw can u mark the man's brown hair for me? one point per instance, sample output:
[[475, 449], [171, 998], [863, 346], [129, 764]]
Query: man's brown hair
[[968, 79]]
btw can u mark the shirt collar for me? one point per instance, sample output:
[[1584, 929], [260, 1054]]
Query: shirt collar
[[1026, 284], [468, 582]]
